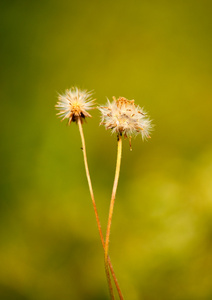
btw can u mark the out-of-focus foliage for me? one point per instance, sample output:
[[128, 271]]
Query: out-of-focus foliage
[[156, 52]]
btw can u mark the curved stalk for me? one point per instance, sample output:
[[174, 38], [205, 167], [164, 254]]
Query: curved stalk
[[115, 184], [95, 208]]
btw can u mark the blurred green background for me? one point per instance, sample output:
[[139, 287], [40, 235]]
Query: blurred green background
[[156, 52]]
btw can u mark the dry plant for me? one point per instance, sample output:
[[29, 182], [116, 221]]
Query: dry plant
[[124, 118]]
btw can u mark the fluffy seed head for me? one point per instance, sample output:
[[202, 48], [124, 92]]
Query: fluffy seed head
[[74, 104], [122, 116]]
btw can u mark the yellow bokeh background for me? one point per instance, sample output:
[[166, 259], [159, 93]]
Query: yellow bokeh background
[[156, 52]]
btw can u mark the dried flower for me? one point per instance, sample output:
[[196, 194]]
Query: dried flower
[[124, 117], [74, 104]]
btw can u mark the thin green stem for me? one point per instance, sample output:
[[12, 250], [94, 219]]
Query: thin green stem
[[94, 206], [115, 184]]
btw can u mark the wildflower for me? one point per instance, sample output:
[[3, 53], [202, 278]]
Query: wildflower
[[74, 105], [122, 116]]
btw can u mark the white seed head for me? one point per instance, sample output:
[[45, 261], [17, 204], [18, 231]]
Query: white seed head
[[74, 104], [122, 116]]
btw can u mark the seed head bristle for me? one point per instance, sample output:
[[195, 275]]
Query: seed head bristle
[[74, 104], [122, 116]]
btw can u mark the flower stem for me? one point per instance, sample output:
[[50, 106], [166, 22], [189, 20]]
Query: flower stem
[[95, 208], [115, 184]]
